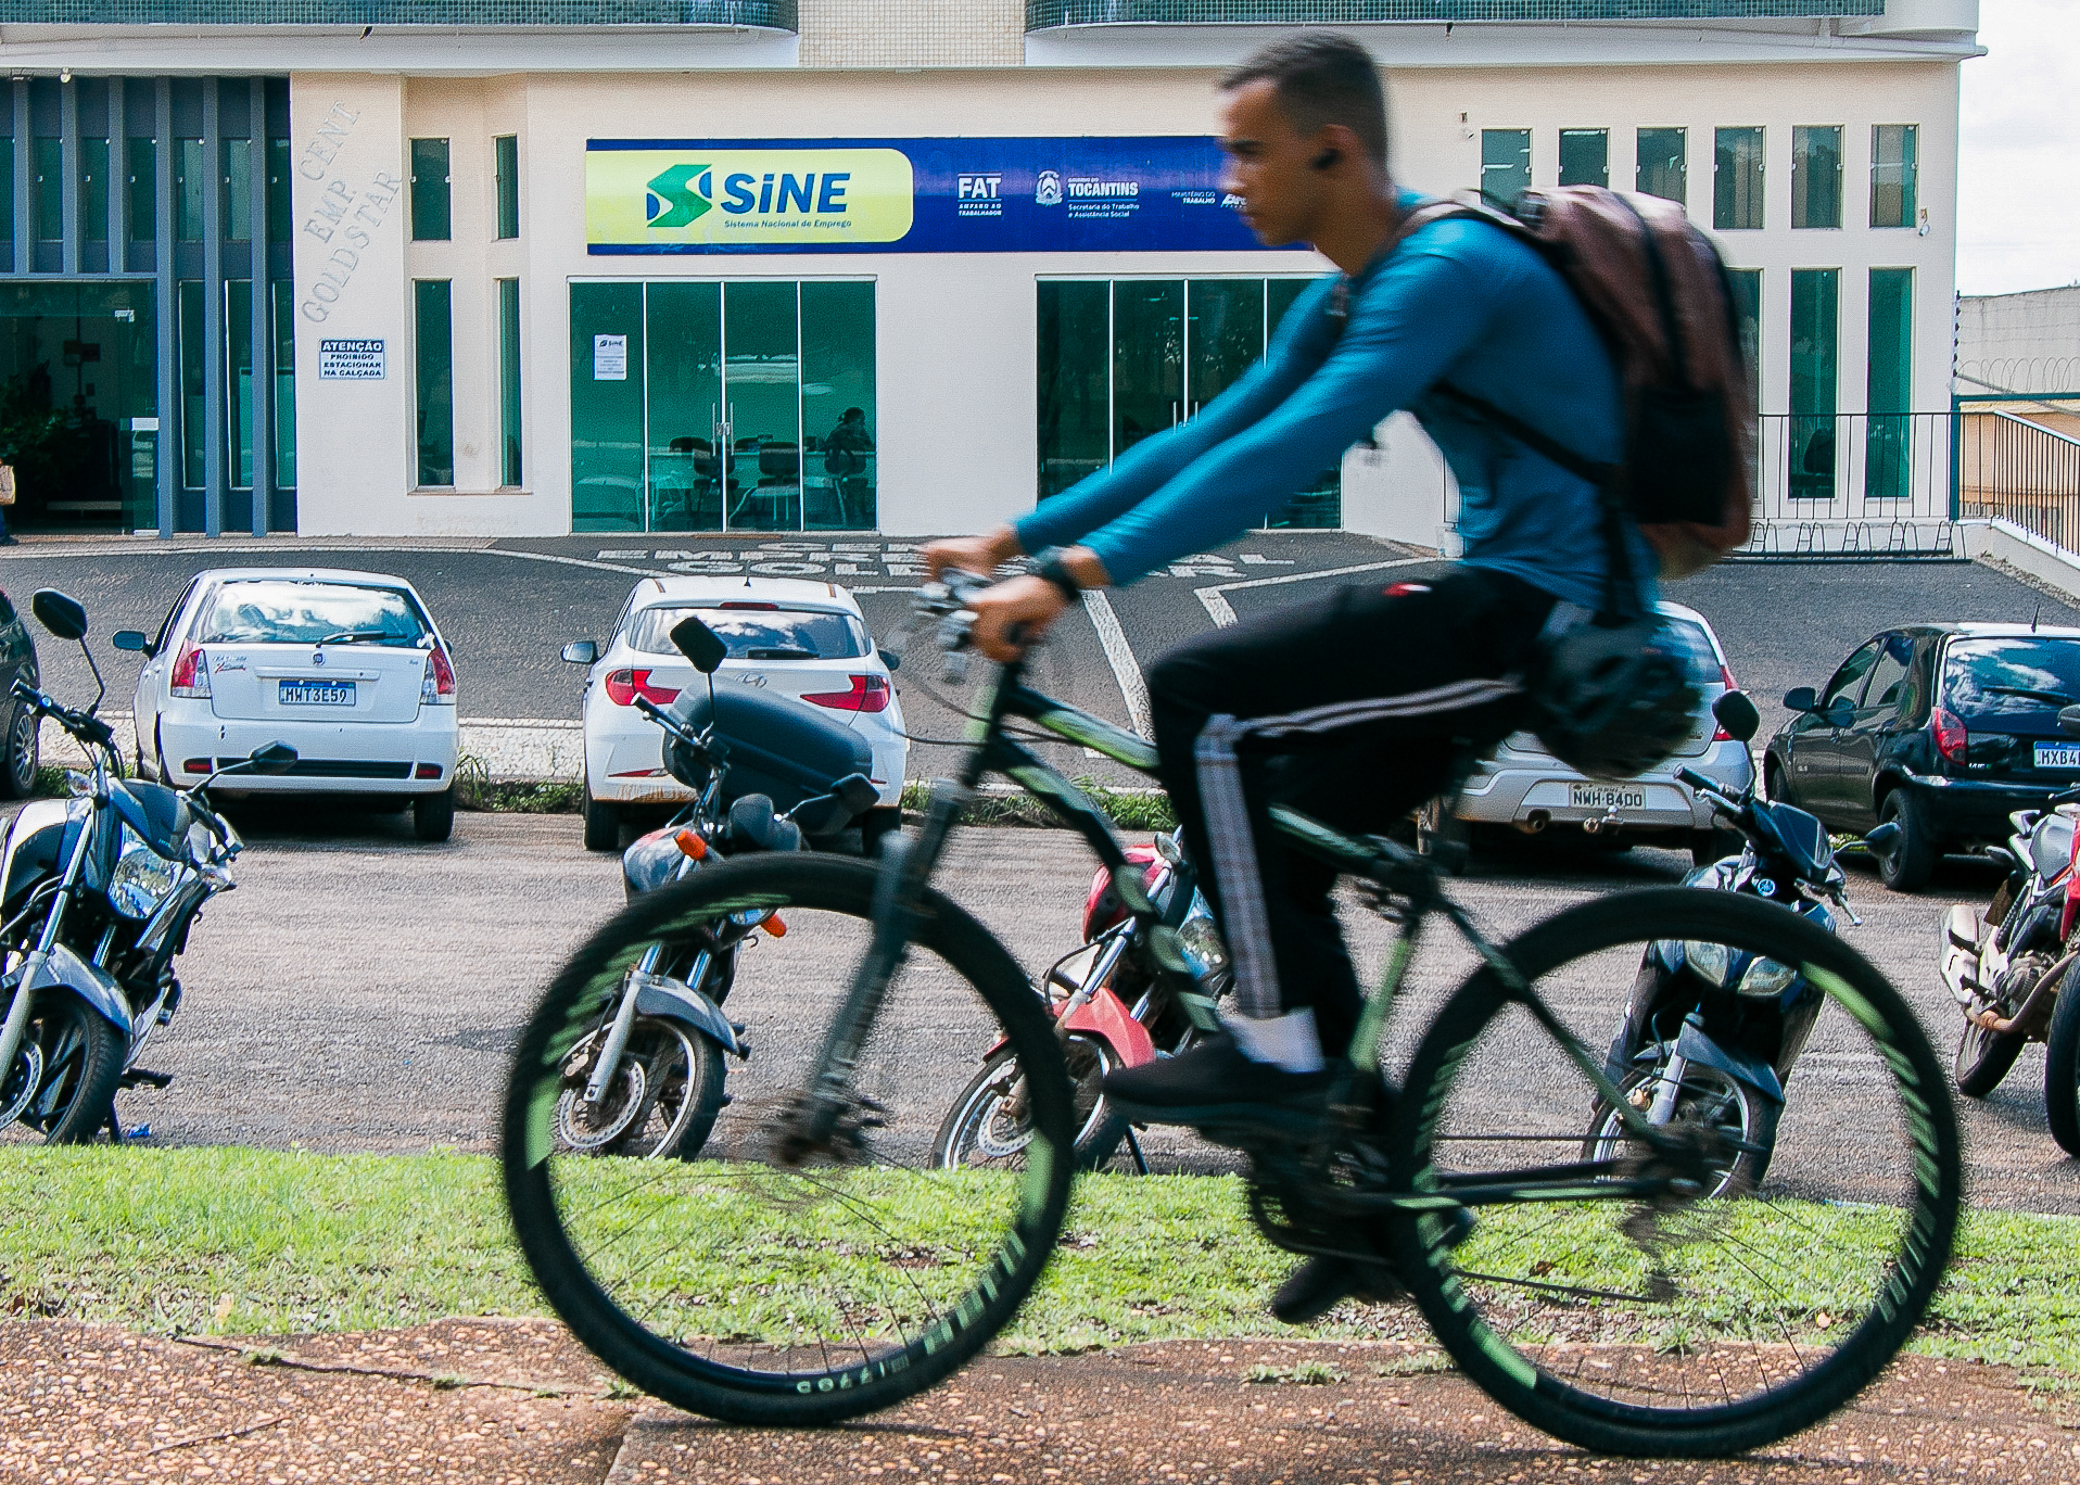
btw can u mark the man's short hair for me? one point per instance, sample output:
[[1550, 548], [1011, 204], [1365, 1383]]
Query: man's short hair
[[1322, 78]]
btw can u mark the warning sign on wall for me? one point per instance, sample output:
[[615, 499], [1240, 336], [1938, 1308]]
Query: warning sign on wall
[[351, 360]]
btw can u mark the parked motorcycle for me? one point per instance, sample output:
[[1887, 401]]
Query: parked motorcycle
[[1114, 1005], [1711, 1033], [647, 1078], [97, 894]]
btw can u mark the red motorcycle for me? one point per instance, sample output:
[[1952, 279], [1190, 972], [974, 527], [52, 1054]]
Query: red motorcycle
[[1115, 1003]]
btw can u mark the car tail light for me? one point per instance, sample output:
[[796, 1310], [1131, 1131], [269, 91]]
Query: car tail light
[[624, 686], [197, 765], [190, 672], [869, 693], [438, 689], [1720, 734], [1952, 741], [427, 771], [767, 606]]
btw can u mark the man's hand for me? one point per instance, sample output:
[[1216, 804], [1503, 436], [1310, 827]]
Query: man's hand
[[981, 555], [1029, 601]]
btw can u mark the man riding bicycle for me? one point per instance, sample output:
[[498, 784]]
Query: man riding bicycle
[[1353, 707]]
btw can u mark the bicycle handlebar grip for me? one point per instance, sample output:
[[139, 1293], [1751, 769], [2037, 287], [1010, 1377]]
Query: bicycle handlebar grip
[[1696, 780]]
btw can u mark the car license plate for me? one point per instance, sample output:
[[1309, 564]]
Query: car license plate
[[1607, 797], [317, 693], [2058, 755]]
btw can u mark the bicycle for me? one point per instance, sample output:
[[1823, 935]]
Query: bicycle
[[822, 1268]]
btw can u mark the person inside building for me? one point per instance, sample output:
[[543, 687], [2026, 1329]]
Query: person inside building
[[1350, 707], [845, 461]]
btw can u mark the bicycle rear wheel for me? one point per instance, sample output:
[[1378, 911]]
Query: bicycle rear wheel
[[1677, 1325], [755, 1291]]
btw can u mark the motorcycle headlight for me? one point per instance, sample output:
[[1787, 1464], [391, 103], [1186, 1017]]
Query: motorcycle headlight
[[1766, 977], [142, 878], [1713, 961]]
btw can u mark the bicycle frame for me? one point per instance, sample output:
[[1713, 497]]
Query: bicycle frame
[[908, 865]]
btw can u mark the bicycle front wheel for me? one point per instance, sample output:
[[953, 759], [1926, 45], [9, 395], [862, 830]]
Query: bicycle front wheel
[[1639, 1294], [756, 1288]]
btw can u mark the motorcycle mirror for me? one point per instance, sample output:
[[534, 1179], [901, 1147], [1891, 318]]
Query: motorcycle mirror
[[2002, 857], [891, 659], [1737, 714], [273, 758], [1800, 699], [700, 644], [1883, 838], [2069, 721], [857, 793], [129, 639], [60, 614], [581, 652]]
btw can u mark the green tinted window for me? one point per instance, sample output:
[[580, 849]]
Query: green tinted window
[[1075, 382], [433, 367], [238, 190], [1505, 163], [1664, 164], [1747, 308], [1815, 331], [1894, 175], [509, 381], [1737, 179], [279, 184], [1816, 176], [1319, 504], [194, 385], [430, 194], [238, 342], [505, 151], [839, 416], [6, 190], [1585, 157], [47, 188], [1889, 436], [606, 407], [188, 184], [284, 294], [140, 168], [93, 190]]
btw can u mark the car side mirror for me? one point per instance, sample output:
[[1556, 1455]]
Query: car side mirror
[[891, 659], [581, 652], [700, 644], [2069, 721], [62, 615], [1737, 714], [273, 758], [130, 639], [1800, 699]]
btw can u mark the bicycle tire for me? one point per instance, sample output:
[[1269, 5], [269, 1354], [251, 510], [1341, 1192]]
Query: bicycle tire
[[2062, 1066], [1491, 1306], [974, 1305]]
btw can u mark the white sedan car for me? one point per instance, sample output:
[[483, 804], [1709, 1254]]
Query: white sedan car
[[792, 638], [345, 667], [1521, 784]]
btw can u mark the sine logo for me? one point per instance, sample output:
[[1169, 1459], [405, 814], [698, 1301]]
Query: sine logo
[[682, 194]]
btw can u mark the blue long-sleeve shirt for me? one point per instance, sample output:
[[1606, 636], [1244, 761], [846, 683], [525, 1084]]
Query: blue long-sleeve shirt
[[1458, 301]]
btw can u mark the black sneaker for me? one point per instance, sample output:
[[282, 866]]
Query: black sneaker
[[1323, 1282], [1214, 1086]]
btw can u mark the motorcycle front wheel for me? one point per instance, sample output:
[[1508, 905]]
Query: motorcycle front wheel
[[756, 1285], [1744, 1123], [63, 1081], [662, 1100], [988, 1122]]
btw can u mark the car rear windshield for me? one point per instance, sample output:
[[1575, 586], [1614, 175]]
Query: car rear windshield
[[756, 633], [270, 612], [1987, 680]]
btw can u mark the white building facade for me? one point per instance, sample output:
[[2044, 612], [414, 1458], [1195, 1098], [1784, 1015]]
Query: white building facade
[[905, 266]]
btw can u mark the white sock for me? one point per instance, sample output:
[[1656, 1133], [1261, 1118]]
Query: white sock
[[1289, 1042]]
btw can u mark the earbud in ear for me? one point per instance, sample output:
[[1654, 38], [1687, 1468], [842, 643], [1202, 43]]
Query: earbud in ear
[[1327, 158]]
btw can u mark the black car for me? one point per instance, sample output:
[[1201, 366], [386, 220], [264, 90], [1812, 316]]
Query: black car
[[1942, 729], [17, 662]]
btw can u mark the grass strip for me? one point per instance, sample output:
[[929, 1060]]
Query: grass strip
[[231, 1240], [1128, 809]]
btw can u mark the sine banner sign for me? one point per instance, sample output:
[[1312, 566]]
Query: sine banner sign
[[1142, 193]]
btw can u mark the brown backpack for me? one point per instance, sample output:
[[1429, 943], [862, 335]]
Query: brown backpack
[[1657, 292]]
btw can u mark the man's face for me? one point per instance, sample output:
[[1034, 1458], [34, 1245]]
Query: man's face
[[1268, 165]]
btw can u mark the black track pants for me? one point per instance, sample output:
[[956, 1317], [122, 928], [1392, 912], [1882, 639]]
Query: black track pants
[[1351, 709]]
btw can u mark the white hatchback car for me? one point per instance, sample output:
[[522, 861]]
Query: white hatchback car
[[792, 638], [1521, 784], [345, 667]]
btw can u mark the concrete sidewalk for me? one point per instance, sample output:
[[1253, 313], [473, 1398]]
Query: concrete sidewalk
[[496, 1400]]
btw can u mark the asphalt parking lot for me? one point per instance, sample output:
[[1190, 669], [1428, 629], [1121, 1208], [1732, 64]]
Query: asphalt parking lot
[[360, 991]]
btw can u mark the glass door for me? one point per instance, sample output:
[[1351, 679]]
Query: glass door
[[1224, 331], [762, 390], [1147, 359], [607, 407], [682, 421], [1075, 378]]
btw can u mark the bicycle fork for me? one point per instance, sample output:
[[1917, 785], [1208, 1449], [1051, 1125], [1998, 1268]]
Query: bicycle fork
[[899, 888]]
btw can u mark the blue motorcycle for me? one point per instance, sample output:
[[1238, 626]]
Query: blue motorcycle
[[1712, 1032]]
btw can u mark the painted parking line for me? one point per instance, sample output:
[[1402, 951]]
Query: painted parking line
[[1224, 614]]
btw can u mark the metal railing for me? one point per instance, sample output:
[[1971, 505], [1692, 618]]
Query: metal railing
[[1854, 466], [2014, 469]]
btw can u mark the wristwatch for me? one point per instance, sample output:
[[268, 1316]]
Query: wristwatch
[[1048, 565]]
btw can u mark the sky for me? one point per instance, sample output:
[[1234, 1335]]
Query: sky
[[2018, 194]]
